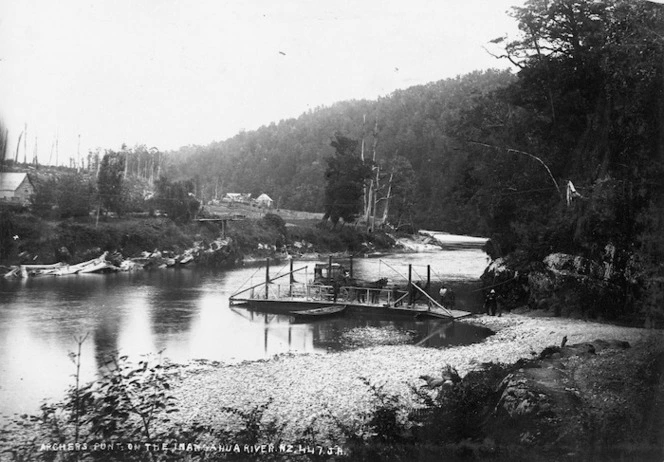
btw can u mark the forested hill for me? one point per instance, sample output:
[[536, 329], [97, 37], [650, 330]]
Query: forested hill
[[493, 153], [415, 129]]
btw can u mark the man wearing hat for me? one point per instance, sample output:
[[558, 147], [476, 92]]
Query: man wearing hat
[[491, 303]]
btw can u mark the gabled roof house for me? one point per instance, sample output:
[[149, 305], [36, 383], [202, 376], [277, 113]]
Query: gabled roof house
[[264, 201], [15, 187]]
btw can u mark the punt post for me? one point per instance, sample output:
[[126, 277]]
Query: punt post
[[267, 275]]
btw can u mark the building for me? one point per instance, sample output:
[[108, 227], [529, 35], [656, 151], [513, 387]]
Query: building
[[16, 187], [264, 201], [236, 197]]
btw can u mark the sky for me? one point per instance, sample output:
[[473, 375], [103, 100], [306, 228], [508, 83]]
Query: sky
[[170, 73]]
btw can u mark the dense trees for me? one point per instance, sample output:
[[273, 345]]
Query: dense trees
[[590, 88], [492, 153], [110, 182], [346, 174], [64, 195], [176, 199], [288, 159]]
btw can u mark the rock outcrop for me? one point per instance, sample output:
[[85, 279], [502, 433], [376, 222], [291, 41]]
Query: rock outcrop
[[562, 284], [538, 402]]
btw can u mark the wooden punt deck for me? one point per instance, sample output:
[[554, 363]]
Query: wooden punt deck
[[285, 298]]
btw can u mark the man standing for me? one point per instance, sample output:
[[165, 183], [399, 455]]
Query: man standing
[[443, 294], [447, 297], [491, 303]]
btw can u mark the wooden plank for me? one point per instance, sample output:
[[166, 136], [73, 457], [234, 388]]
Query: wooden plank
[[436, 304]]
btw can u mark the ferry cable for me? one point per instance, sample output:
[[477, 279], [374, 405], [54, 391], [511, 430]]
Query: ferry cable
[[249, 279], [392, 268]]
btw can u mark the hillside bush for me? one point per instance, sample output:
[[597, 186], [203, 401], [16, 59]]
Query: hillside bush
[[64, 195]]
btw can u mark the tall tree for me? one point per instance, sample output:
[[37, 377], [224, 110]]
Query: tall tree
[[346, 174], [177, 199], [110, 182]]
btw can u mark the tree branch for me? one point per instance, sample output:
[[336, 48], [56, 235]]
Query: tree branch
[[510, 58], [510, 150]]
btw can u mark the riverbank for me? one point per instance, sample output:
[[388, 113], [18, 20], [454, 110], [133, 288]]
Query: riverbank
[[30, 240], [313, 399], [305, 390]]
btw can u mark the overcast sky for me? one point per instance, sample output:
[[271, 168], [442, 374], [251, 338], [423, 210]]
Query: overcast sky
[[169, 73]]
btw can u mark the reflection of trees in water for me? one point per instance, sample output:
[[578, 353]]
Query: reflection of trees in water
[[105, 335], [10, 293], [173, 299]]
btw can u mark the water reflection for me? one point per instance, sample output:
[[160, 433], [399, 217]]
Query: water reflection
[[168, 299], [284, 333], [106, 335], [185, 313]]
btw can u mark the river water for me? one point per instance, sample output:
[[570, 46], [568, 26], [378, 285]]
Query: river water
[[185, 314]]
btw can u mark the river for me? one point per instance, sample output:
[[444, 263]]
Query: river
[[184, 313]]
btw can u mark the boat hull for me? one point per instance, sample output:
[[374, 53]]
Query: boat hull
[[321, 311], [294, 307]]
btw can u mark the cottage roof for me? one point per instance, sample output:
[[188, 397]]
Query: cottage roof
[[238, 195], [10, 181], [264, 197]]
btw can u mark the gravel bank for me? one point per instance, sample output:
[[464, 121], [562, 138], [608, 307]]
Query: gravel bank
[[305, 388]]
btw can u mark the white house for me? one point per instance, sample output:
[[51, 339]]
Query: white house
[[15, 187], [264, 201], [236, 197]]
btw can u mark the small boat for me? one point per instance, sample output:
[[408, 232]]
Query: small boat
[[320, 311]]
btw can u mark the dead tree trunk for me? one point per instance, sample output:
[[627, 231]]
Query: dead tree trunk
[[387, 198]]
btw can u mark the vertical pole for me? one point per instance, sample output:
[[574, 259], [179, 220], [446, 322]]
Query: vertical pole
[[410, 284], [50, 157], [329, 270], [292, 279], [428, 284], [351, 267], [18, 146], [25, 145], [267, 276], [35, 155]]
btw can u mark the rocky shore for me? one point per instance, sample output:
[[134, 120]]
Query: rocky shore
[[305, 390]]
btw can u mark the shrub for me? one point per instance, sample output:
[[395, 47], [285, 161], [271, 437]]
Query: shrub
[[458, 412], [381, 433], [63, 196], [127, 403], [273, 221]]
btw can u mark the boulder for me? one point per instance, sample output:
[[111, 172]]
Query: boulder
[[573, 265]]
